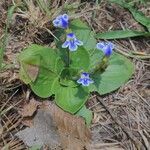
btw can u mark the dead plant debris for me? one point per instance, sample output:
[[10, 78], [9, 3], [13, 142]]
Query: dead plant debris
[[130, 105], [52, 126]]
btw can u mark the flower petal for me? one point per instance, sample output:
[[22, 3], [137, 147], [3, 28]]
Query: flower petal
[[64, 23], [65, 17], [72, 46], [100, 45], [71, 35], [61, 21], [78, 42], [90, 80], [65, 44], [85, 82], [106, 47], [80, 80], [111, 45], [85, 75], [56, 22], [108, 50]]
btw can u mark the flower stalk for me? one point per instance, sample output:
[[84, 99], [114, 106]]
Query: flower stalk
[[71, 44], [68, 58], [101, 65], [107, 49]]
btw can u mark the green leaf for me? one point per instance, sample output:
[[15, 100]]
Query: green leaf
[[41, 56], [83, 33], [69, 98], [39, 66], [35, 147], [95, 58], [66, 77], [80, 59], [118, 34], [23, 74], [43, 84], [86, 114], [138, 15], [116, 74]]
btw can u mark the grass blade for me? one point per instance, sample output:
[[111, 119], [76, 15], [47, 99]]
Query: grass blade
[[119, 34], [4, 42], [44, 6], [138, 16]]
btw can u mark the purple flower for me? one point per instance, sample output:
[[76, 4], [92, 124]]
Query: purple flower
[[61, 21], [106, 47], [72, 42], [85, 79]]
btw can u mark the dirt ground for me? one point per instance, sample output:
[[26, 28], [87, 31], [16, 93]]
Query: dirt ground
[[121, 119]]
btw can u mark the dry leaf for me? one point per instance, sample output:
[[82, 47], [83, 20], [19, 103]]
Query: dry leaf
[[32, 71], [43, 132], [27, 121], [72, 129], [51, 121], [30, 108]]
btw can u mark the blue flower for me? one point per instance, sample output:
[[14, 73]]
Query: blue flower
[[61, 21], [72, 42], [85, 79], [106, 47]]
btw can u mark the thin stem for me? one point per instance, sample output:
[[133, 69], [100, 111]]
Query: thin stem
[[68, 30], [100, 66], [68, 58]]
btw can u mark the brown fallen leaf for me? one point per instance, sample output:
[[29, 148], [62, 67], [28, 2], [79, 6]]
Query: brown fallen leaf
[[43, 132], [29, 109], [73, 132], [32, 71], [27, 121]]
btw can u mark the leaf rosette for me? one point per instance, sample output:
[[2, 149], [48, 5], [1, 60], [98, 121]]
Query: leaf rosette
[[48, 73]]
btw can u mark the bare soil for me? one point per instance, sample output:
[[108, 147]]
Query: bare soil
[[121, 119]]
